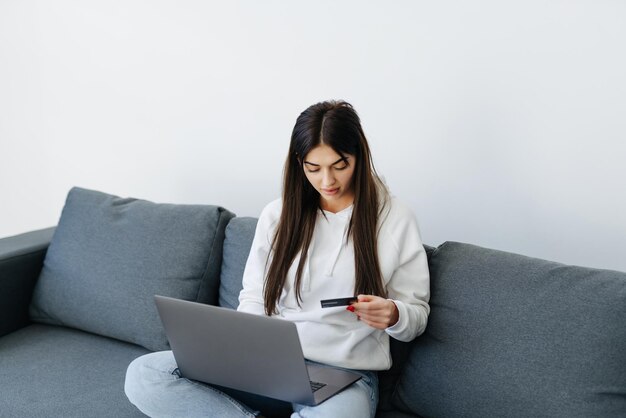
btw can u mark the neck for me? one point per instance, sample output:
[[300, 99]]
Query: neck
[[335, 207]]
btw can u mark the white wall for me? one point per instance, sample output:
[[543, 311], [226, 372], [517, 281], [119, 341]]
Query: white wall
[[501, 123]]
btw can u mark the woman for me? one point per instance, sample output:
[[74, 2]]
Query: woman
[[336, 232]]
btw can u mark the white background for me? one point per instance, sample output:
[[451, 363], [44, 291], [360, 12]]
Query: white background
[[501, 123]]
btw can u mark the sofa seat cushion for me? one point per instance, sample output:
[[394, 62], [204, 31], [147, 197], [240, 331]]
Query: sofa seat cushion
[[109, 256], [510, 335], [52, 371]]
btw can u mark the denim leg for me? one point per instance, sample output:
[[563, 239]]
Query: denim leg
[[358, 400], [155, 387]]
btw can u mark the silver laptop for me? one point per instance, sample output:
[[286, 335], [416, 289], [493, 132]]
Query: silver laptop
[[246, 352]]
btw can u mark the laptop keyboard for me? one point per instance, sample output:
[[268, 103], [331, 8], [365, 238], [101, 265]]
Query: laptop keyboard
[[315, 386]]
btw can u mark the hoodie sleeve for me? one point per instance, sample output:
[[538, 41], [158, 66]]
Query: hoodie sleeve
[[409, 286], [251, 296]]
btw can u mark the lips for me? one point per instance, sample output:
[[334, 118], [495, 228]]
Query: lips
[[330, 191]]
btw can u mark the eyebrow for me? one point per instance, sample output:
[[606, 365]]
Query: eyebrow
[[338, 161]]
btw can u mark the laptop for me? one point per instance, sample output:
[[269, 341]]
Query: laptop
[[246, 352]]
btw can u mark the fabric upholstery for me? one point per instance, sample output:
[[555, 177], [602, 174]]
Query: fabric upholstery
[[387, 379], [21, 258], [394, 414], [50, 371], [109, 256], [239, 236], [510, 335]]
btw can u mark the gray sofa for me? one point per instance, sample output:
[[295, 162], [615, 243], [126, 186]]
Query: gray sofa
[[508, 335]]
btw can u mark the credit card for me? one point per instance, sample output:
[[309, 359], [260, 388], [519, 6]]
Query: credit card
[[331, 303]]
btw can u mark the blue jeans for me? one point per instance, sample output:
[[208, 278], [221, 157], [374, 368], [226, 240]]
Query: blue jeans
[[154, 385]]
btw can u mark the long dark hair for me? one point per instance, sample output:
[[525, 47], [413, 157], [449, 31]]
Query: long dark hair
[[336, 124]]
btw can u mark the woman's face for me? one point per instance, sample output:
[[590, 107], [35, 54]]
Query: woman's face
[[331, 175]]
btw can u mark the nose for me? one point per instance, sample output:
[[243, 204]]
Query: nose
[[328, 179]]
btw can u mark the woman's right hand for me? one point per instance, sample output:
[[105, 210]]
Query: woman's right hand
[[377, 312]]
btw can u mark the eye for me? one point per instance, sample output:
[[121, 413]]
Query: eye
[[312, 171], [342, 167]]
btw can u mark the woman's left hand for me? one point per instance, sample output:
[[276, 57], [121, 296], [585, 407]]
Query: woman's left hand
[[375, 311]]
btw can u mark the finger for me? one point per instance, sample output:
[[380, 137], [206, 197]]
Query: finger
[[374, 318], [371, 306], [376, 306], [365, 300], [373, 324], [382, 318]]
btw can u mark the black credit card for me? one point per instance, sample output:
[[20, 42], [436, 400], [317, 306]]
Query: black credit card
[[331, 303]]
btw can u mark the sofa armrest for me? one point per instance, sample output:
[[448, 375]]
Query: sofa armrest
[[21, 260]]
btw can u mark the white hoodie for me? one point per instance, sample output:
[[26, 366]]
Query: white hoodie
[[334, 335]]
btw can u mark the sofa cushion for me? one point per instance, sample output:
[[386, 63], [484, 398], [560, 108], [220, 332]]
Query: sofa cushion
[[51, 371], [510, 335], [109, 256], [239, 236]]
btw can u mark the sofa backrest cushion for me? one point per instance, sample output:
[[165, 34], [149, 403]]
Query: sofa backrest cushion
[[109, 256], [510, 335], [239, 236]]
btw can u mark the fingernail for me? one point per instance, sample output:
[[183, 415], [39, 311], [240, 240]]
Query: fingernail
[[350, 308]]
